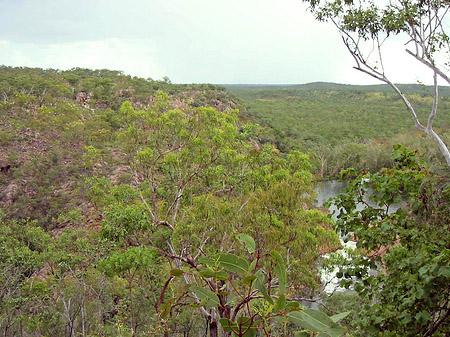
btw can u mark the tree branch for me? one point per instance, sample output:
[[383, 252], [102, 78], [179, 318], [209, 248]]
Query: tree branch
[[163, 291], [433, 329], [429, 65], [435, 103]]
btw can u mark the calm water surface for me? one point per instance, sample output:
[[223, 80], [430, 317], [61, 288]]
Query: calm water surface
[[324, 191], [331, 188]]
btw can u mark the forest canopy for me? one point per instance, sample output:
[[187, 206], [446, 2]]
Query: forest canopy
[[135, 207]]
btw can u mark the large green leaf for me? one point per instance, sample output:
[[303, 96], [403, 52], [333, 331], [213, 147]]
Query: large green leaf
[[316, 321], [280, 270], [338, 317], [248, 241], [206, 296], [233, 263], [261, 286], [228, 262]]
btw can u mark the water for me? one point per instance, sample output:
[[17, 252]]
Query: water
[[328, 189], [331, 188], [324, 191]]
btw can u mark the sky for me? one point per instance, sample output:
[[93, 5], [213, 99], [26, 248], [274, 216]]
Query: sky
[[190, 41]]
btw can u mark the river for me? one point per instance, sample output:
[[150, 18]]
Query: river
[[324, 191], [331, 188]]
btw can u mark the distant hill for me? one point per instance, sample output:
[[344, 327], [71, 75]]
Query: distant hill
[[344, 125], [407, 88]]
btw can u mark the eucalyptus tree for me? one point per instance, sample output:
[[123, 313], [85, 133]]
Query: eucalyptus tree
[[366, 26], [197, 180]]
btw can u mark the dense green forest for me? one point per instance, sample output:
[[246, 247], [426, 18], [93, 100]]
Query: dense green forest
[[139, 207], [343, 126]]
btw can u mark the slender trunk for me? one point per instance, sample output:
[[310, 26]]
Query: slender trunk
[[213, 329], [428, 129], [100, 311], [70, 321], [442, 147], [133, 319], [83, 320]]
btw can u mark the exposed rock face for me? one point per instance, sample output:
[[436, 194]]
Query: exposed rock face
[[82, 97], [8, 194]]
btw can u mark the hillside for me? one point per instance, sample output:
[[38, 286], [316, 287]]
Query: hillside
[[117, 194], [407, 88], [133, 207], [49, 117], [344, 125]]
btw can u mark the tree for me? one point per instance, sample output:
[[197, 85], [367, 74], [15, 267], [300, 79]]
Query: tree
[[197, 181], [401, 267], [251, 296], [23, 247], [362, 23]]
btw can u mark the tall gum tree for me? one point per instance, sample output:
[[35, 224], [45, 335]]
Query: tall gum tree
[[371, 23], [196, 181]]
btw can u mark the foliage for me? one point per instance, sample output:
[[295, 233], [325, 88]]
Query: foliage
[[251, 295], [408, 295], [62, 173], [343, 126], [197, 181], [122, 199]]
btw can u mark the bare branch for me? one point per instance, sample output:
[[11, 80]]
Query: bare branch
[[435, 102], [429, 65]]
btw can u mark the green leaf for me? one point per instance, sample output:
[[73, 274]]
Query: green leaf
[[260, 285], [248, 241], [315, 321], [303, 333], [252, 266], [280, 304], [207, 273], [423, 316], [228, 325], [206, 296], [176, 272], [229, 262], [407, 318], [338, 317], [292, 305], [207, 261], [246, 280], [233, 263], [444, 271], [280, 270], [245, 323], [203, 302]]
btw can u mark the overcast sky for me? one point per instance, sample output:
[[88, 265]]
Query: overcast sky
[[190, 41]]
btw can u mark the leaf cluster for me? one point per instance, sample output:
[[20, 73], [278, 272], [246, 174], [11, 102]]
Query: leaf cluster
[[402, 269]]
